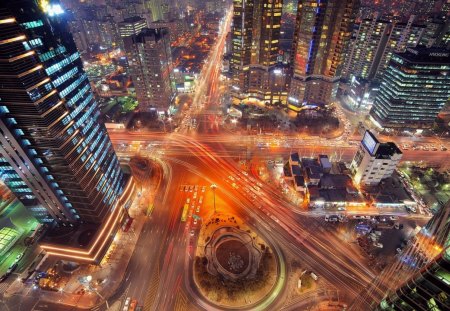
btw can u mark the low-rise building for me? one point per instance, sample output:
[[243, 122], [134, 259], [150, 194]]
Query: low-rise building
[[374, 161]]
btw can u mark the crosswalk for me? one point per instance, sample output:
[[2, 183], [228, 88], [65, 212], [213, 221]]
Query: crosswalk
[[7, 283], [152, 290], [181, 302]]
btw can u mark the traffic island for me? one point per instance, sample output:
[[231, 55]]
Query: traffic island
[[233, 266]]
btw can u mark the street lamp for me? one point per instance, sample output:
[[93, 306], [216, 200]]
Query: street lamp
[[214, 187]]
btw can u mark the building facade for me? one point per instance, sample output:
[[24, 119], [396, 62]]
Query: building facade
[[429, 287], [55, 155], [369, 40], [150, 65], [401, 37], [132, 26], [322, 34], [413, 90], [255, 48], [374, 161]]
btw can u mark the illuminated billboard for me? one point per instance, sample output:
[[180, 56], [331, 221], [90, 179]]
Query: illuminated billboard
[[370, 142]]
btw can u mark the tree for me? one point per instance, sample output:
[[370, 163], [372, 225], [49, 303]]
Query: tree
[[129, 104]]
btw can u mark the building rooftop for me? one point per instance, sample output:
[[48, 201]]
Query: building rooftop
[[335, 181], [295, 157], [299, 181], [424, 55], [389, 191], [333, 195], [314, 172], [387, 150], [296, 170], [133, 19], [153, 34]]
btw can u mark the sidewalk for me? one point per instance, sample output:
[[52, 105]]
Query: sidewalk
[[106, 277]]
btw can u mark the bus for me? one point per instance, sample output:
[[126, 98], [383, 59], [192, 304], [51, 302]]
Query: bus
[[150, 209], [185, 212]]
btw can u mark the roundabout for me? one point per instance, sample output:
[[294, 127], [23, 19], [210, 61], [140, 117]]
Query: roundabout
[[232, 254], [233, 266]]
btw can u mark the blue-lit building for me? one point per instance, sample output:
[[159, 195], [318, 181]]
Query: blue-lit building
[[55, 155], [414, 89]]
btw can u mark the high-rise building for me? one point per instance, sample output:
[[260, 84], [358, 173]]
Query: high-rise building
[[56, 157], [413, 90], [401, 37], [322, 34], [256, 39], [131, 26], [436, 33], [369, 41], [374, 161], [429, 287], [150, 64]]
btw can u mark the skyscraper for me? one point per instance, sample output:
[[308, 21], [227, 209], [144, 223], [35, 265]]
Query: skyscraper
[[57, 158], [322, 33], [429, 287], [150, 64], [131, 26], [255, 36], [401, 37], [414, 89], [368, 42]]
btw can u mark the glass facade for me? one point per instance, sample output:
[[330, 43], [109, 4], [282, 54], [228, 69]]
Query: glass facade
[[414, 89], [429, 288], [55, 155]]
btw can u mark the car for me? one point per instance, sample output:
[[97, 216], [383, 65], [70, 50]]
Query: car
[[378, 245], [327, 217], [195, 195], [188, 200], [393, 217], [200, 200], [357, 217], [192, 232], [411, 209], [195, 188], [191, 188], [4, 277], [127, 303], [195, 221], [443, 148], [12, 268], [341, 208], [19, 256], [256, 188], [231, 177], [235, 186], [259, 184], [244, 173], [198, 209], [314, 276], [186, 188], [398, 250], [397, 226], [203, 188]]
